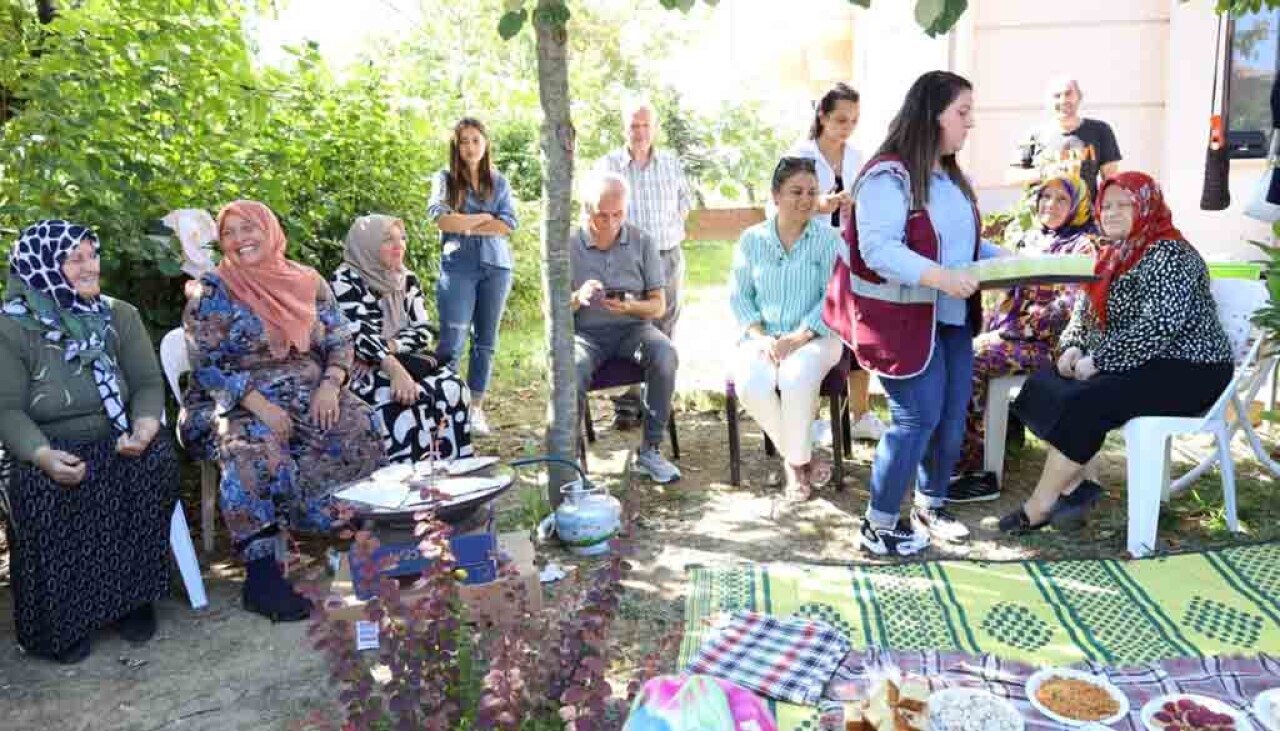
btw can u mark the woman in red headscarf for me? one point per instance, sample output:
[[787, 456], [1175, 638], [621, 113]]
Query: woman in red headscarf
[[1145, 341], [272, 351]]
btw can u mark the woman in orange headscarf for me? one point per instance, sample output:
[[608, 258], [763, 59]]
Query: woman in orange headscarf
[[1145, 341], [272, 350]]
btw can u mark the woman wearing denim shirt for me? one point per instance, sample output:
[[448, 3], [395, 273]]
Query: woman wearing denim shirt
[[472, 206]]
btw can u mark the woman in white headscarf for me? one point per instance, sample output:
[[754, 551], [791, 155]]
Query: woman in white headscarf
[[423, 406]]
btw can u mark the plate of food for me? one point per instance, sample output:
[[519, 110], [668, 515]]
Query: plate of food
[[969, 709], [1007, 271], [1267, 708], [1190, 712], [1076, 698]]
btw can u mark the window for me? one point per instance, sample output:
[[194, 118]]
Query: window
[[1251, 69]]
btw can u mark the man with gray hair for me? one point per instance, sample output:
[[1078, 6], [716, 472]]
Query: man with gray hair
[[660, 200], [618, 296], [1070, 143]]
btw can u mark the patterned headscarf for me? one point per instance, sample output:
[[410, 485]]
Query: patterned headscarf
[[1152, 222], [280, 292], [362, 252], [41, 299], [1080, 220]]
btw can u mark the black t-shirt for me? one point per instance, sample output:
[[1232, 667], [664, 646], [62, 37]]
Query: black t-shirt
[[1082, 152]]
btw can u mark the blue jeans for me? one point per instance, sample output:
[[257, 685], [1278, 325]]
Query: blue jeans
[[470, 297], [927, 434]]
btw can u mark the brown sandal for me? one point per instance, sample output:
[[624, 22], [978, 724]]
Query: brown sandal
[[799, 484]]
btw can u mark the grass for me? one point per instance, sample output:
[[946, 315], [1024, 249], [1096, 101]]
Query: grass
[[707, 264]]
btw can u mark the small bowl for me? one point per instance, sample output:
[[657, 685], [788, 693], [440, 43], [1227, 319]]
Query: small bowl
[[1267, 708], [1040, 677], [1155, 705]]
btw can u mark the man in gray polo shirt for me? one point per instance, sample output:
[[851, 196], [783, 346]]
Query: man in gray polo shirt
[[618, 296]]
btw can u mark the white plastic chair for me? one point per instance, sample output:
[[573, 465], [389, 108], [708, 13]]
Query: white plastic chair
[[175, 360], [1147, 438], [1000, 393]]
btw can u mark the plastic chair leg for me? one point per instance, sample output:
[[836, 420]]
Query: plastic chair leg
[[996, 422], [586, 420], [1148, 451], [1222, 435], [839, 438], [675, 439], [735, 443], [184, 552]]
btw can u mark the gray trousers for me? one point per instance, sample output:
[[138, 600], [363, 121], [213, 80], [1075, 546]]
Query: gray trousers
[[641, 343], [673, 269]]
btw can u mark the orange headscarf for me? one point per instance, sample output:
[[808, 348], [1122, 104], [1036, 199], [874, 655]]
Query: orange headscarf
[[1152, 222], [280, 292]]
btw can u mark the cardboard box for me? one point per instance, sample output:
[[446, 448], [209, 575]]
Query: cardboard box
[[486, 603]]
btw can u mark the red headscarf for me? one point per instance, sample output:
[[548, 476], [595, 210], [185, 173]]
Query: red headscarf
[[280, 292], [1152, 222]]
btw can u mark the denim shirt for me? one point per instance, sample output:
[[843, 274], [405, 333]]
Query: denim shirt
[[457, 249], [882, 220]]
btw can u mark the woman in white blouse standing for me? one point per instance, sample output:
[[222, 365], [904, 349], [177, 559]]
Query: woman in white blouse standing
[[837, 163]]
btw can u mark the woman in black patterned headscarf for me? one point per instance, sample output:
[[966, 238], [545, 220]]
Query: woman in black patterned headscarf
[[92, 476]]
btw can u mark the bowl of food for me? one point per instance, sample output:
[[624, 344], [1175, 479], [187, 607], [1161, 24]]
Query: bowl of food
[[1267, 708], [1075, 698], [1189, 712], [969, 709]]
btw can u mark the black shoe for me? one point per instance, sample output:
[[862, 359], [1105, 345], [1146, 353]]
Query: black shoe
[[268, 593], [75, 653], [900, 540], [1017, 523], [973, 487], [626, 420], [139, 625], [939, 523], [1072, 510]]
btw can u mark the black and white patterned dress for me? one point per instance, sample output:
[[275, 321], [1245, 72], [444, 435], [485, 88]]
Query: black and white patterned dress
[[408, 431], [1162, 353]]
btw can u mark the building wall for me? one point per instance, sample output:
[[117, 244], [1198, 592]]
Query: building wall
[[1145, 66]]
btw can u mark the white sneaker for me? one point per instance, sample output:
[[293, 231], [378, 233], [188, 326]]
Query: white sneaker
[[649, 461], [479, 424], [869, 428], [938, 523]]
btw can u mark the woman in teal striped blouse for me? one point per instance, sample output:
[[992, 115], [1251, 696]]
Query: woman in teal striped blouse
[[780, 272]]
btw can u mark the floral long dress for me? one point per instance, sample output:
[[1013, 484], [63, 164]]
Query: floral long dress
[[1020, 336], [409, 432], [270, 483]]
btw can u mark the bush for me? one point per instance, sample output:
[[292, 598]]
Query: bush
[[545, 670]]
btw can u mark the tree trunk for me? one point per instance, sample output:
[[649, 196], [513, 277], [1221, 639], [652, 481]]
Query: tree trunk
[[557, 186]]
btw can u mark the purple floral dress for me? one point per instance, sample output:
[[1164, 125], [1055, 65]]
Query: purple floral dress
[[1020, 335], [270, 483]]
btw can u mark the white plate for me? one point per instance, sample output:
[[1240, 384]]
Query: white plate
[[455, 467], [955, 694], [1033, 686], [393, 473], [1155, 705], [1267, 708]]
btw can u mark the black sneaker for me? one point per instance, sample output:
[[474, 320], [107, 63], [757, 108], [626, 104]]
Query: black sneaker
[[939, 524], [899, 540], [973, 487]]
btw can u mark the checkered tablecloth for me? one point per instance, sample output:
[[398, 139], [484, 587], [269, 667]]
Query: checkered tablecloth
[[1233, 680], [790, 659]]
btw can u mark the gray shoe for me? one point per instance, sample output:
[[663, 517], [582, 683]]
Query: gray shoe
[[649, 461]]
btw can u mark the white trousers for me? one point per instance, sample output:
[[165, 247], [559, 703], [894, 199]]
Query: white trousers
[[782, 397]]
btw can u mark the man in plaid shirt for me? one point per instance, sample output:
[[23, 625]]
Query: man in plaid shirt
[[661, 199]]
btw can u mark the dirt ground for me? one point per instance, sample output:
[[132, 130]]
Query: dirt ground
[[223, 668]]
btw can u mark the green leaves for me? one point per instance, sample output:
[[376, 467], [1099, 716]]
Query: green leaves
[[511, 23], [938, 17]]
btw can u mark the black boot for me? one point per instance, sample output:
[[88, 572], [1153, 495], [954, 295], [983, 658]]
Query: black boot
[[268, 593], [139, 625]]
